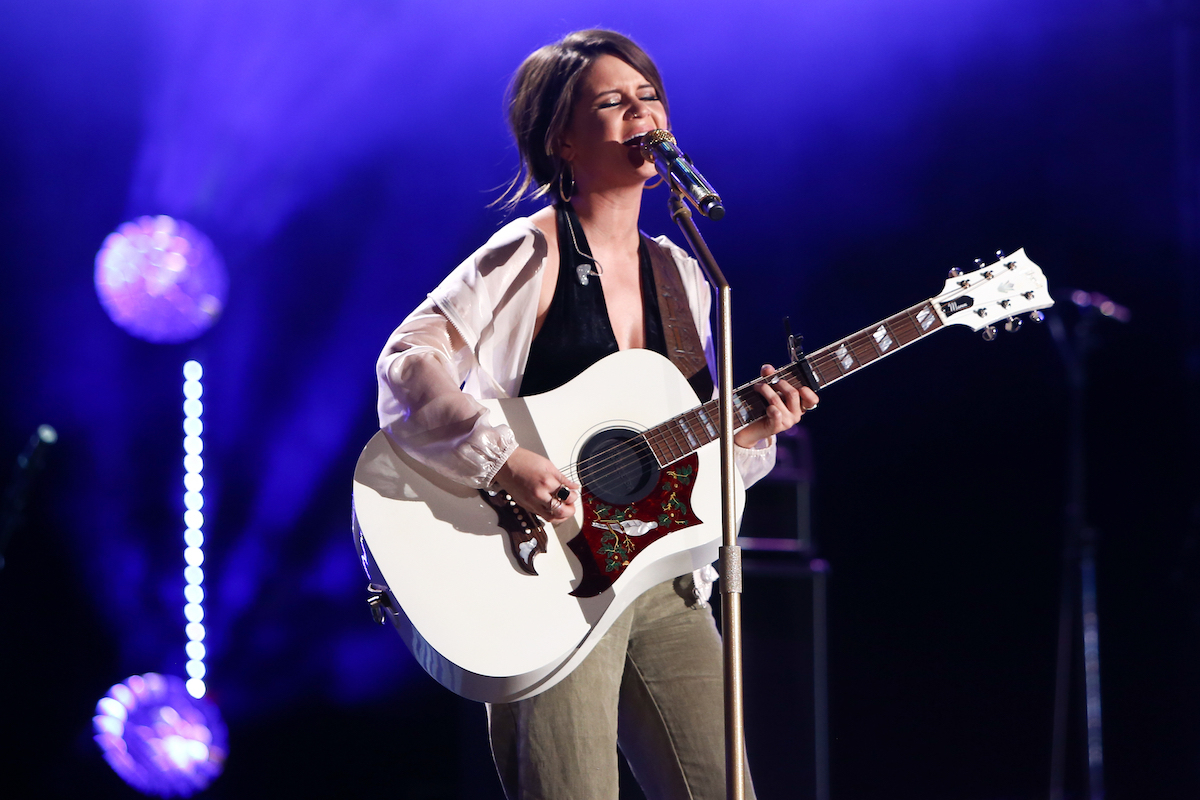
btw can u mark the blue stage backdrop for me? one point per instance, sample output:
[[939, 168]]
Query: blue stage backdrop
[[342, 154]]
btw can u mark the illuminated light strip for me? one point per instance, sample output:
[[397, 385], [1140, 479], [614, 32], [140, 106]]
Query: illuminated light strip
[[193, 536]]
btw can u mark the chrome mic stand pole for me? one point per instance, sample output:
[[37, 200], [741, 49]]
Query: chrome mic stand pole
[[731, 553]]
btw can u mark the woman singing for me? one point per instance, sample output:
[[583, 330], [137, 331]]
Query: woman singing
[[545, 298]]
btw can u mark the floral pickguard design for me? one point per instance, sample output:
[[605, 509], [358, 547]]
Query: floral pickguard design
[[612, 536]]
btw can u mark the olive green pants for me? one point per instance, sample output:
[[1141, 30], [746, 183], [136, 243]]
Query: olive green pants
[[652, 685]]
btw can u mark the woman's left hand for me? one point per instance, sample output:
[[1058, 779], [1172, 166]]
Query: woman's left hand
[[785, 406]]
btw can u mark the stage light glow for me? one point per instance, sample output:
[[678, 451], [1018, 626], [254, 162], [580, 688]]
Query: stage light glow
[[111, 707], [193, 536], [160, 740], [123, 695], [160, 279], [110, 725]]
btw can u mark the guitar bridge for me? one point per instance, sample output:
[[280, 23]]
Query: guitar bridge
[[526, 534]]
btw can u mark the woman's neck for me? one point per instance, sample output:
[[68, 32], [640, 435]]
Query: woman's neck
[[610, 219]]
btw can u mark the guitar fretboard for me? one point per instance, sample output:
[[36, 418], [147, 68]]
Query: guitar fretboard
[[688, 432]]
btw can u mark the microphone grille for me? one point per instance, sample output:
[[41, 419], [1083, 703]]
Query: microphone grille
[[657, 136]]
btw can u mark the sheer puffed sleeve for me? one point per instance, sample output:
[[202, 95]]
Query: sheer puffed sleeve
[[425, 412], [472, 332]]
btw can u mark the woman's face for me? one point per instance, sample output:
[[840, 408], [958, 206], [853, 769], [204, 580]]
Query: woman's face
[[615, 103]]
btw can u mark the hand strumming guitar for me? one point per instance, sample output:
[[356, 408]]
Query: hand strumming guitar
[[535, 483]]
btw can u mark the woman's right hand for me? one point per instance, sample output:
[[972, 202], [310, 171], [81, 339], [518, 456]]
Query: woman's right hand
[[534, 482]]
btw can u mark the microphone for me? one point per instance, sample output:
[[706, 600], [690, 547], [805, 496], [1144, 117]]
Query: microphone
[[660, 148]]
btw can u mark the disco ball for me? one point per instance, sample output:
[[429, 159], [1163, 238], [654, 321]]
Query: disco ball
[[161, 280], [158, 738]]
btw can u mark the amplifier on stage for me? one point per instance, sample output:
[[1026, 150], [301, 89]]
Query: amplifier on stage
[[777, 516]]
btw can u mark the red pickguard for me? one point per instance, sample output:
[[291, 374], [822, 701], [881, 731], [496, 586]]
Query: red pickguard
[[605, 550]]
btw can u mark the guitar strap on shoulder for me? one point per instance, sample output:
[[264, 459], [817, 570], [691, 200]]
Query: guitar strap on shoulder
[[679, 328]]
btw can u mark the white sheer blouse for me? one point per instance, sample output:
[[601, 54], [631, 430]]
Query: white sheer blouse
[[470, 339]]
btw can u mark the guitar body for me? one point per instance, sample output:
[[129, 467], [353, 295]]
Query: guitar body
[[458, 591], [498, 608]]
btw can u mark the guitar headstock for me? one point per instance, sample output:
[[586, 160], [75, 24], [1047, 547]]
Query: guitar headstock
[[999, 292]]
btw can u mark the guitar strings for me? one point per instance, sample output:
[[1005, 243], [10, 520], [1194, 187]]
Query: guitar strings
[[604, 464], [663, 434], [902, 326], [818, 360], [638, 451]]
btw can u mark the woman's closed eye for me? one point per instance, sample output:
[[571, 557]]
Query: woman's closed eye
[[619, 101]]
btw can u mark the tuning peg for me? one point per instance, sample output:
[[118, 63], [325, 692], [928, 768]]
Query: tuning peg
[[1013, 324], [989, 333], [1036, 316], [955, 272], [999, 255], [979, 263]]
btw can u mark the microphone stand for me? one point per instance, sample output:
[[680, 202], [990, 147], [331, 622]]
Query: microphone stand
[[731, 553]]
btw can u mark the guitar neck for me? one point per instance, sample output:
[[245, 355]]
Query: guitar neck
[[688, 432]]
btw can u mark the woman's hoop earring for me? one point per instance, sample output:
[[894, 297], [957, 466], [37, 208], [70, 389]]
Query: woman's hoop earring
[[661, 180], [566, 196]]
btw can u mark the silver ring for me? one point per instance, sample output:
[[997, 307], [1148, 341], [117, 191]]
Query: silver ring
[[554, 504], [561, 494]]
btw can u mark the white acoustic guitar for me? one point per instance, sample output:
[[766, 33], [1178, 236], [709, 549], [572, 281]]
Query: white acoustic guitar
[[498, 607]]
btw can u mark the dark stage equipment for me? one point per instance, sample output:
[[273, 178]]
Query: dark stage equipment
[[29, 463], [785, 630], [1078, 605]]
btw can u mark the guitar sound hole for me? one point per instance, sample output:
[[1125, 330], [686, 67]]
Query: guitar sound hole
[[617, 466]]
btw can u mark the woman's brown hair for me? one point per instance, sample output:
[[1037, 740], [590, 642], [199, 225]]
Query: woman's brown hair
[[542, 94]]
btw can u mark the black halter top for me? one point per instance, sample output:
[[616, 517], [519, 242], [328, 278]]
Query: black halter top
[[576, 332]]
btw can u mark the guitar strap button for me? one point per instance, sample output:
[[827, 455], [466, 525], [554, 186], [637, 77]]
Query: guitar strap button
[[380, 602]]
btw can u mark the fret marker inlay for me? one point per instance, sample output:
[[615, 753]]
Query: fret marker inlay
[[740, 408], [882, 339], [708, 426], [843, 355], [683, 426], [925, 318]]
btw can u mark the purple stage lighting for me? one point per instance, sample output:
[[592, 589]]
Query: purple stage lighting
[[158, 738], [161, 279]]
